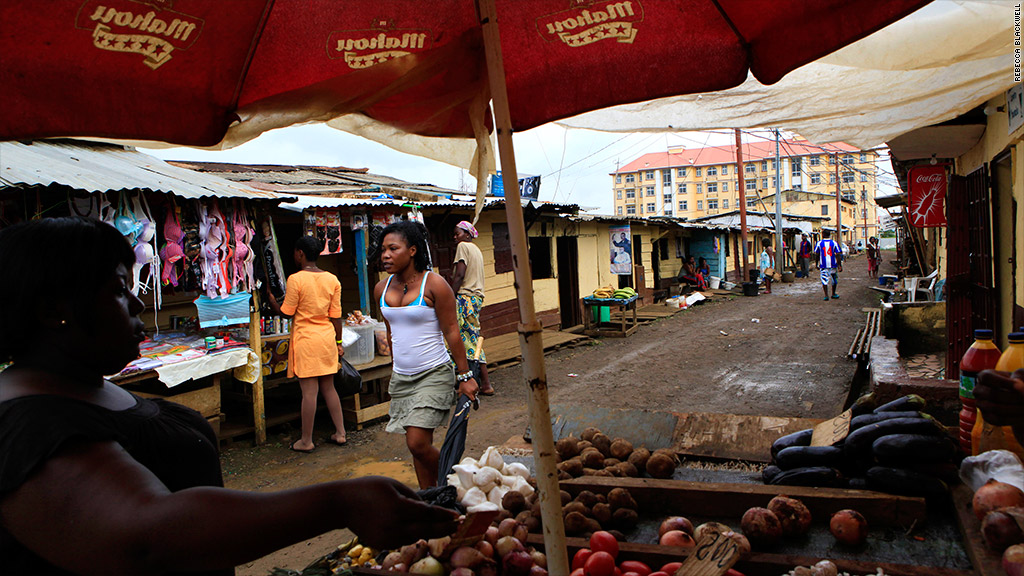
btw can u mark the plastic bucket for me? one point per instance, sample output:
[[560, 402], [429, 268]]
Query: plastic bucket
[[726, 285], [362, 350], [788, 276], [750, 288], [714, 282], [601, 314], [754, 274]]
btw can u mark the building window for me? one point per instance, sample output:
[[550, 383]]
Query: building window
[[751, 202], [725, 169], [712, 170], [630, 193], [619, 210], [725, 186], [824, 209], [682, 205], [651, 208], [618, 178], [847, 177], [502, 248], [831, 178], [750, 168], [540, 257], [698, 171], [618, 194], [750, 184], [668, 211], [725, 203], [699, 188], [863, 156], [682, 188], [650, 190], [700, 205], [712, 204], [666, 178], [712, 188], [764, 165], [629, 178], [649, 175], [815, 179], [863, 212], [764, 183], [831, 159], [667, 199], [798, 186], [681, 172], [815, 161], [848, 159], [795, 167], [630, 209], [863, 176]]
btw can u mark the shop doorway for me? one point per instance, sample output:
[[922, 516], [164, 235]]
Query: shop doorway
[[569, 303]]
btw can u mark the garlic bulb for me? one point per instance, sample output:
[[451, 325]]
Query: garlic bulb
[[486, 478], [508, 480], [497, 494], [453, 480], [522, 486], [492, 458], [517, 469], [473, 497], [460, 492], [483, 507], [467, 461], [465, 473]]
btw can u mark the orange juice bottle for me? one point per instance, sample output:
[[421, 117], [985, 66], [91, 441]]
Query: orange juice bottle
[[982, 355], [986, 437]]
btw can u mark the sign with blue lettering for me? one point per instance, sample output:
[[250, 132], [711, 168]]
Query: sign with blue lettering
[[529, 186]]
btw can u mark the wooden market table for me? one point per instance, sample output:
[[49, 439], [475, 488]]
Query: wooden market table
[[622, 329]]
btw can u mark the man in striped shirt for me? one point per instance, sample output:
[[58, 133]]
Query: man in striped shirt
[[830, 261]]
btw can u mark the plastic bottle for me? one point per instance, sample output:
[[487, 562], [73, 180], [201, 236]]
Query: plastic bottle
[[982, 355], [985, 437]]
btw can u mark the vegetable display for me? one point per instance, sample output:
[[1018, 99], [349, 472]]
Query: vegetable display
[[595, 454], [896, 448], [484, 484]]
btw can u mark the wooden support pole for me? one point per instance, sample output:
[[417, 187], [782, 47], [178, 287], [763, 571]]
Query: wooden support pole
[[364, 282], [530, 330], [743, 205], [259, 415]]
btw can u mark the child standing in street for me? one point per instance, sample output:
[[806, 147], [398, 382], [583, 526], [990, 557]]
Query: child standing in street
[[767, 264]]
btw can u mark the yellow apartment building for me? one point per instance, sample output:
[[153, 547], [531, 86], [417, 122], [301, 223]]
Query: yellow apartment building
[[695, 182]]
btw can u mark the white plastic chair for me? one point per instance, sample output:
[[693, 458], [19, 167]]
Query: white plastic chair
[[924, 284]]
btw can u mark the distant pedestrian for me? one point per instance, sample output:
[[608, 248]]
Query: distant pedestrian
[[874, 254], [830, 262], [805, 256], [468, 283], [767, 264]]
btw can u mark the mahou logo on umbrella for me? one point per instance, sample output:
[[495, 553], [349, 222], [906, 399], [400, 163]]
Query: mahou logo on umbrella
[[589, 21], [150, 29], [365, 48], [927, 196]]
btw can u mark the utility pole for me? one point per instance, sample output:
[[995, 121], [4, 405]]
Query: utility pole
[[778, 206], [743, 207], [839, 213], [864, 212]]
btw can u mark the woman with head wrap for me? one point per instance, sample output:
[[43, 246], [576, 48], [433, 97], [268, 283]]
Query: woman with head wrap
[[468, 284]]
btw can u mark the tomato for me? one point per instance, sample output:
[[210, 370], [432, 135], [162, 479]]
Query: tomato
[[731, 572], [659, 573], [630, 574], [599, 564], [580, 559], [634, 566], [617, 572], [671, 567], [602, 541], [577, 572]]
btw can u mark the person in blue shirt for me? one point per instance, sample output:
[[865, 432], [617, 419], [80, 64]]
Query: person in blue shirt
[[830, 262]]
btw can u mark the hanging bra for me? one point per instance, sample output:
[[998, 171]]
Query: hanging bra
[[172, 251]]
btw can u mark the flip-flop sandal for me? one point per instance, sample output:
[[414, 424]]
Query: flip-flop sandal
[[486, 392], [331, 440], [294, 449]]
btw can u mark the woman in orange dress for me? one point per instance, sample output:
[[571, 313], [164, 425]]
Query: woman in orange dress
[[313, 298]]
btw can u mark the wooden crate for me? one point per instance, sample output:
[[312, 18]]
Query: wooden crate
[[204, 400]]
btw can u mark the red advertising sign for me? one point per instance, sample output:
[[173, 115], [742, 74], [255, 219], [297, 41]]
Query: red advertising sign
[[927, 196]]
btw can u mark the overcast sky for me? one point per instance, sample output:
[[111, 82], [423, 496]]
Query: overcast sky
[[574, 165]]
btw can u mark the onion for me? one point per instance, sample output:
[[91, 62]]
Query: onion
[[508, 544], [1013, 560], [491, 535], [506, 527], [428, 566], [700, 531], [461, 572], [485, 548], [437, 546], [539, 558], [391, 560], [489, 569], [824, 568], [675, 523], [1002, 528], [538, 571], [995, 494], [400, 568], [468, 557], [517, 563]]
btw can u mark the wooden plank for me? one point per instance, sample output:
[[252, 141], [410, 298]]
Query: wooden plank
[[732, 500], [756, 563], [205, 400], [986, 562], [733, 436]]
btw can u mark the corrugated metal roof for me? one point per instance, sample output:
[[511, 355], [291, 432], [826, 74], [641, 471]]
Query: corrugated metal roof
[[305, 202], [95, 167]]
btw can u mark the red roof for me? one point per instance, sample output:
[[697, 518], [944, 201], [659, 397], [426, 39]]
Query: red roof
[[711, 155]]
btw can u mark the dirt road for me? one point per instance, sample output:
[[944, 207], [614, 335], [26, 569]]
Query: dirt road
[[782, 354]]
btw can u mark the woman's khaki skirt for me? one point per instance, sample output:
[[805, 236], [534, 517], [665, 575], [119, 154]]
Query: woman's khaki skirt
[[422, 400]]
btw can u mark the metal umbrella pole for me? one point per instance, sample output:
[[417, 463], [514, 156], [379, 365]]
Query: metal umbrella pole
[[530, 330]]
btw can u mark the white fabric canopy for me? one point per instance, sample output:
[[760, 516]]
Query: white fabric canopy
[[933, 65]]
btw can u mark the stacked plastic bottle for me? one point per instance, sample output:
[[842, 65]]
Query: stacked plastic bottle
[[982, 355], [985, 437]]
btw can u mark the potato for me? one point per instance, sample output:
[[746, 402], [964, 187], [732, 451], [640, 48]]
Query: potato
[[621, 498], [584, 444], [575, 507], [849, 527], [533, 525], [575, 523], [603, 472], [621, 449], [565, 496], [592, 458], [602, 513], [624, 519], [639, 458], [532, 498], [628, 469], [614, 471], [618, 535], [592, 526], [761, 526], [609, 462], [670, 453], [535, 509], [563, 475], [513, 501], [522, 516], [602, 443], [590, 472], [588, 434], [572, 467], [660, 466], [602, 498], [504, 514], [567, 447], [793, 515], [587, 498]]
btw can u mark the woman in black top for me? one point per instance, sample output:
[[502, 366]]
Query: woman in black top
[[94, 480]]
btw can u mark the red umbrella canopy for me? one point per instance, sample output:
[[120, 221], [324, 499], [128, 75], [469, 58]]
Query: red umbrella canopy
[[182, 71]]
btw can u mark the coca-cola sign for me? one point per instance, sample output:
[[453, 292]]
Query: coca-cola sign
[[927, 196]]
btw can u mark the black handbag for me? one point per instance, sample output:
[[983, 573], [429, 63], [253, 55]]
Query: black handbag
[[348, 381]]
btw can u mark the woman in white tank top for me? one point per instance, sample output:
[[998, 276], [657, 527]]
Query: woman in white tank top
[[419, 310]]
